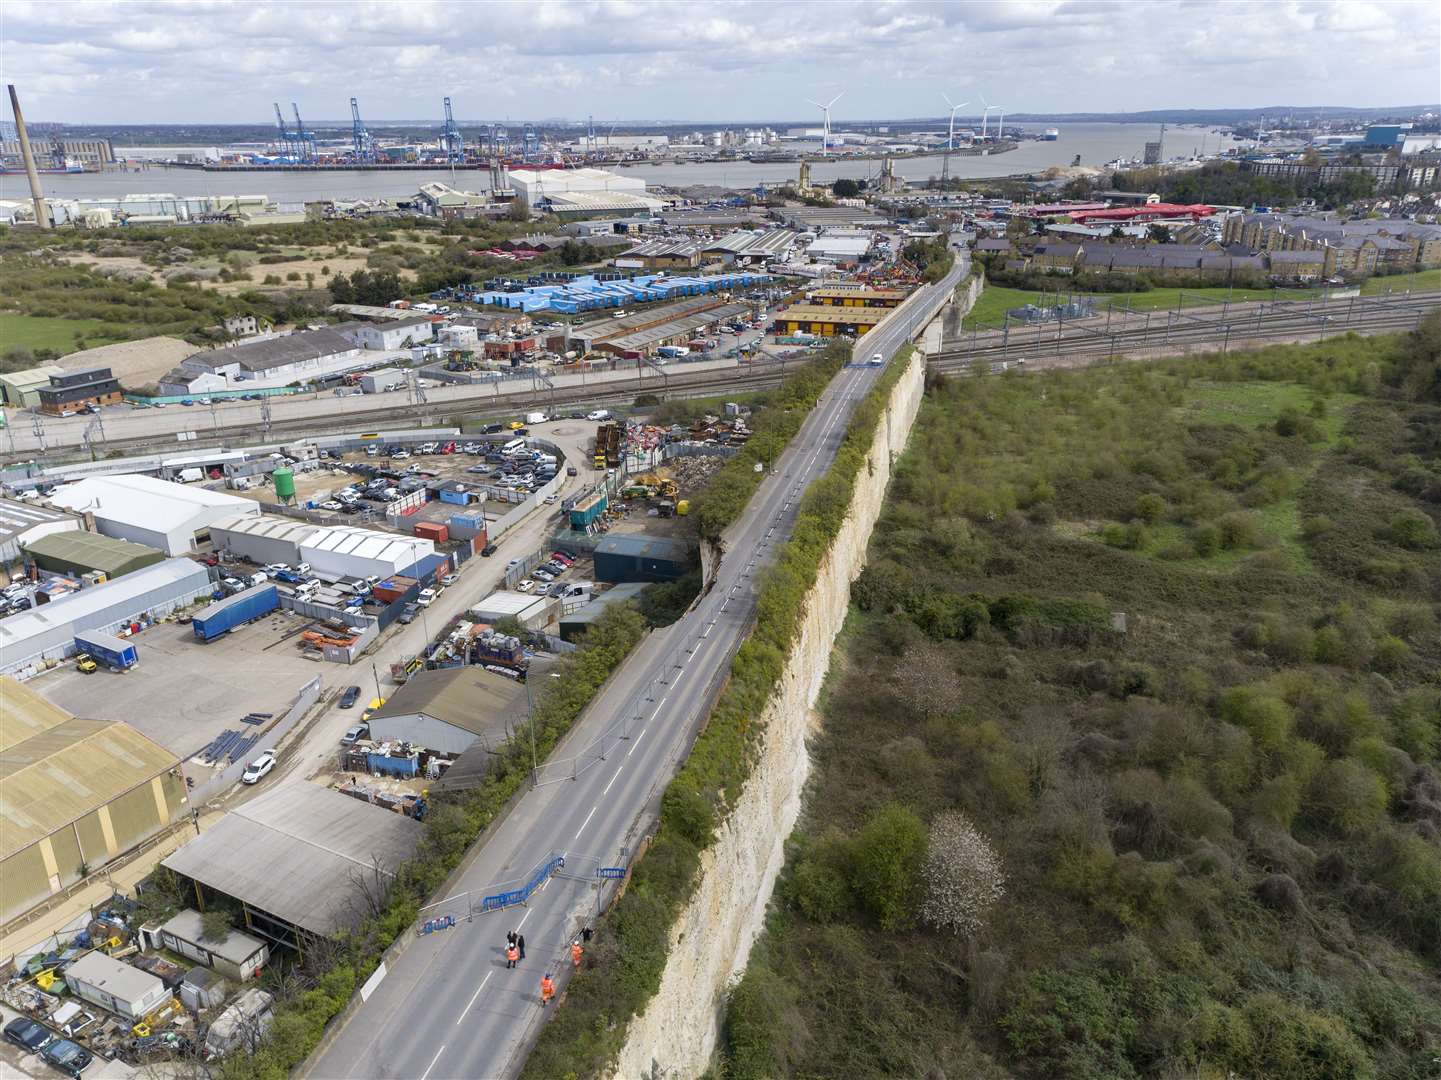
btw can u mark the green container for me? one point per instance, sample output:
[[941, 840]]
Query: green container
[[284, 483]]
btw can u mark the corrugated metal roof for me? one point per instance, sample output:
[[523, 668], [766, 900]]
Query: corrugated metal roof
[[271, 526], [116, 978], [144, 501], [469, 698], [641, 546], [367, 544], [293, 852], [93, 550], [26, 713], [17, 516], [62, 771]]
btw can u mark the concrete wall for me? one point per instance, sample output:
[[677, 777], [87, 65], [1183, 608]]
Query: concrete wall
[[712, 938]]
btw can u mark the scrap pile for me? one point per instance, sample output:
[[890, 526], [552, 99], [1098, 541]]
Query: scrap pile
[[694, 473], [401, 802]]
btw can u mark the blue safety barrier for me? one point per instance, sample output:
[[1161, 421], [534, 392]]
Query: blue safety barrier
[[497, 901], [610, 871]]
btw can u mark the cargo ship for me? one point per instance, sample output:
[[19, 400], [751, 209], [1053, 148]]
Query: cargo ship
[[1050, 135]]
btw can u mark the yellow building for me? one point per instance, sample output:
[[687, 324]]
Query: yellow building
[[76, 794], [852, 296], [828, 320]]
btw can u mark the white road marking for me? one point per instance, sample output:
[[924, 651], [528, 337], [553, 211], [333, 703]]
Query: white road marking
[[522, 919], [473, 996], [586, 822], [613, 779], [638, 738], [432, 1063]]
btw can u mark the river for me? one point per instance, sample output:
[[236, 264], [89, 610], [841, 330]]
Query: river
[[1095, 143]]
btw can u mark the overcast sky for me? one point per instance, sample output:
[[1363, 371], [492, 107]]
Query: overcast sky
[[211, 61]]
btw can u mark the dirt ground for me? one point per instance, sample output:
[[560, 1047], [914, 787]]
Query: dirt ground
[[338, 264]]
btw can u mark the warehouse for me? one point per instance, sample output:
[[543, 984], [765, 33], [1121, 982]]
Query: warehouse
[[827, 320], [675, 332], [638, 557], [855, 296], [575, 624], [22, 388], [237, 956], [389, 336], [661, 255], [298, 859], [77, 554], [115, 986], [299, 357], [744, 246], [347, 551], [844, 248], [262, 538], [157, 513], [77, 794], [22, 523], [578, 205], [72, 391], [535, 184], [29, 638], [450, 709], [532, 612]]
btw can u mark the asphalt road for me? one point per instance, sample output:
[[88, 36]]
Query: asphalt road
[[449, 1007]]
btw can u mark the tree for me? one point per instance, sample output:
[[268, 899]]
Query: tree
[[519, 209], [216, 924], [845, 189], [1158, 233], [962, 874], [886, 863]]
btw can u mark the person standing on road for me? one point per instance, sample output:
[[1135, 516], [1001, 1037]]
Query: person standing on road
[[512, 956], [575, 953], [510, 937], [520, 944], [547, 990]]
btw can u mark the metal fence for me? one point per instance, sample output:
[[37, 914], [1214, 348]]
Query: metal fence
[[309, 694]]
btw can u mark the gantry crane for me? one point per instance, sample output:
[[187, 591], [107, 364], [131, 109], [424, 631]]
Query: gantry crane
[[362, 144]]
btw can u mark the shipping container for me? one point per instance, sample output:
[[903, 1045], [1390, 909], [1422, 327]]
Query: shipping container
[[109, 650], [225, 615], [432, 530]]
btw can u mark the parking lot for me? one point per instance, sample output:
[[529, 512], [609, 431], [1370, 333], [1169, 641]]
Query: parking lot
[[184, 693]]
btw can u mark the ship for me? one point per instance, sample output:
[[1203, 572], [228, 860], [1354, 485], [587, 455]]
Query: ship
[[70, 166], [1050, 135]]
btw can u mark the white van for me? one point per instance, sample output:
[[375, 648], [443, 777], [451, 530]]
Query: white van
[[306, 589], [513, 447]]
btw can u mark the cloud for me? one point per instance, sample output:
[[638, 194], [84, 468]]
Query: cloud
[[196, 61]]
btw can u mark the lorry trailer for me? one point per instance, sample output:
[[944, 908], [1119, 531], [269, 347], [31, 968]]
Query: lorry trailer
[[107, 649], [225, 615]]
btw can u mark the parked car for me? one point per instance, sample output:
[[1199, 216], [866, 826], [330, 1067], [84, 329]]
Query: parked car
[[571, 470], [542, 574], [487, 551], [426, 597], [355, 734], [408, 613], [70, 1058], [257, 769], [28, 1035], [449, 579], [524, 586], [348, 699]]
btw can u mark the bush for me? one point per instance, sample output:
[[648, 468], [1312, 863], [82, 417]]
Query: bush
[[963, 876], [885, 867], [1348, 797], [1412, 529]]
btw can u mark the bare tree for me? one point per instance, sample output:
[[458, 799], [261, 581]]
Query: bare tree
[[963, 876], [370, 888]]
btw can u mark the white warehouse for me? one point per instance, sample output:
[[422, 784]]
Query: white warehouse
[[158, 513], [388, 336], [346, 551], [534, 184], [262, 538]]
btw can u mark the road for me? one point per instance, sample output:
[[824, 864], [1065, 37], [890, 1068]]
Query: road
[[449, 1007]]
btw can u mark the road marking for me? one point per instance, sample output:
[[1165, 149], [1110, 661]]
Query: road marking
[[473, 996], [522, 919], [613, 779], [638, 738], [432, 1063], [586, 822]]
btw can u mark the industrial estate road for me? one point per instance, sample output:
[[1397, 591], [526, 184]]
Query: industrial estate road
[[450, 1007]]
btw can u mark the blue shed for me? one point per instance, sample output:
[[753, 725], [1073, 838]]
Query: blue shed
[[638, 557]]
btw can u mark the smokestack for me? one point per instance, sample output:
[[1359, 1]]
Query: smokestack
[[42, 210]]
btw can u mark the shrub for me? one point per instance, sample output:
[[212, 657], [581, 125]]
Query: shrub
[[1267, 719], [1239, 530], [1207, 538], [1150, 508], [1348, 797], [1412, 529], [885, 866], [1392, 654], [963, 876]]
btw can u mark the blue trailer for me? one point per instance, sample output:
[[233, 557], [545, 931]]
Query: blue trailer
[[225, 615], [107, 649]]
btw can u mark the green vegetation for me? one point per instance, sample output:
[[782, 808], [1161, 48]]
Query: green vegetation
[[312, 993], [624, 965], [1227, 183], [934, 258], [996, 300], [30, 339], [1421, 280], [1210, 770]]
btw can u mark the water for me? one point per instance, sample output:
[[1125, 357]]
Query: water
[[1095, 143]]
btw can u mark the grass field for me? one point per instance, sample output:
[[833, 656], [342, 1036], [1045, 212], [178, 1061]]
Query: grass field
[[36, 332], [1421, 279]]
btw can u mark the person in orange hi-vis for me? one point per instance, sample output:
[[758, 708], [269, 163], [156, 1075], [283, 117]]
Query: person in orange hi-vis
[[547, 990], [575, 953], [512, 954]]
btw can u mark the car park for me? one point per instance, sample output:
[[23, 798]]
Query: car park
[[257, 769], [28, 1034], [348, 699], [70, 1058], [401, 455]]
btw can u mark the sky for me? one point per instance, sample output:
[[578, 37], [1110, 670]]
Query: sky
[[210, 61]]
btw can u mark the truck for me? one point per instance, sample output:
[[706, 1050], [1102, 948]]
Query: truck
[[225, 615], [672, 352], [115, 653], [535, 418], [191, 475]]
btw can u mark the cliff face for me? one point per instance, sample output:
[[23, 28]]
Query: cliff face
[[712, 938]]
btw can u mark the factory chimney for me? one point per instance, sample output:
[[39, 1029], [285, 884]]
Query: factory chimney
[[42, 211]]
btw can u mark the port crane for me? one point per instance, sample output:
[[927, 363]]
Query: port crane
[[362, 143], [451, 141], [304, 140]]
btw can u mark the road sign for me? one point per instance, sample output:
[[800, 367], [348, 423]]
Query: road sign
[[610, 871]]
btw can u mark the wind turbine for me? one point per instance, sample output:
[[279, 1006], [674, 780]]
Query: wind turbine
[[826, 121], [951, 131], [984, 116]]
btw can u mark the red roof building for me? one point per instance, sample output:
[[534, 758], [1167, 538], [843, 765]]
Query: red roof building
[[1151, 212]]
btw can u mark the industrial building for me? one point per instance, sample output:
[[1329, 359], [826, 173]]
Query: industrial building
[[23, 523], [77, 794], [450, 709], [416, 330], [856, 296], [22, 388], [71, 391], [845, 248], [742, 246], [827, 320], [661, 255], [296, 859], [535, 184], [449, 204], [532, 612], [638, 557], [299, 357], [577, 205], [262, 538], [157, 513], [575, 624], [116, 986], [237, 956], [347, 551], [590, 293], [93, 154], [28, 639], [78, 554]]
